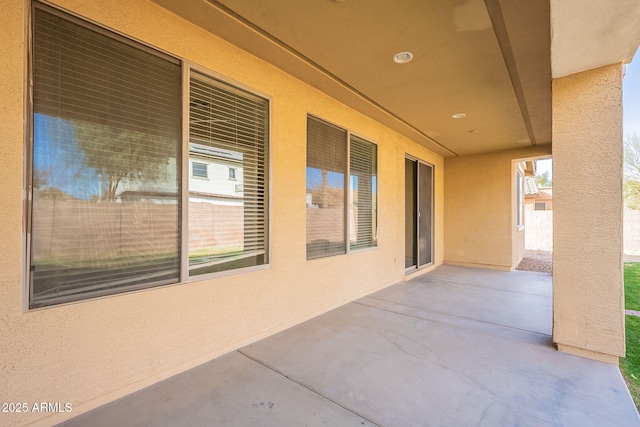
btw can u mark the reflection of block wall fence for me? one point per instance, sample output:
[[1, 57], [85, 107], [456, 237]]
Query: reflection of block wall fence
[[117, 229], [539, 231], [129, 229], [328, 224], [325, 224], [219, 226]]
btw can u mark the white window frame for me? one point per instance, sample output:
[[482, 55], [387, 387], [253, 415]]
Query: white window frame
[[519, 198]]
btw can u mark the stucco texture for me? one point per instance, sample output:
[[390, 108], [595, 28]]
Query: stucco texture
[[480, 209], [588, 212], [93, 351]]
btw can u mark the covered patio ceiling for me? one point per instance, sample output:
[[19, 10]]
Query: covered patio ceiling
[[490, 60]]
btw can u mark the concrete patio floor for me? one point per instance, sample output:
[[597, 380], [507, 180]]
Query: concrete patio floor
[[455, 347]]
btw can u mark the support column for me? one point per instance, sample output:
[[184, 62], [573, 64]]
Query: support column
[[588, 287]]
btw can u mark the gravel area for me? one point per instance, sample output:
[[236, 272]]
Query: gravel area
[[541, 261], [538, 261]]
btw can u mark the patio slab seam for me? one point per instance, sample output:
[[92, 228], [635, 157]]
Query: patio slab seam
[[305, 386], [430, 280], [443, 314]]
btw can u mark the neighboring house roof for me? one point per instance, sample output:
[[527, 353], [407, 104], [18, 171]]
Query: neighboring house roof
[[530, 187], [214, 195], [545, 193], [208, 151]]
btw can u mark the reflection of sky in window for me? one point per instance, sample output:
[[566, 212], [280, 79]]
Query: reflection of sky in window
[[314, 179], [58, 161], [354, 183]]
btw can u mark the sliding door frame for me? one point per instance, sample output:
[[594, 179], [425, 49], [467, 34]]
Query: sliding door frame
[[419, 194]]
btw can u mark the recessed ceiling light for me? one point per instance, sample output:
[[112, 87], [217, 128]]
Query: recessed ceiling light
[[458, 116], [402, 57]]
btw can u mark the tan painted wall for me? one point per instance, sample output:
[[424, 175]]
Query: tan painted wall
[[587, 249], [90, 352], [480, 209]]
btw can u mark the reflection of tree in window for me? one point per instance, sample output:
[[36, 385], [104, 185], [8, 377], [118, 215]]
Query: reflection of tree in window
[[138, 159], [106, 136]]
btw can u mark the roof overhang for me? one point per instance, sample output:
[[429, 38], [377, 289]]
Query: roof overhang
[[588, 34]]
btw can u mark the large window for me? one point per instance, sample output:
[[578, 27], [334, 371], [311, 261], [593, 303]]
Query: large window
[[332, 156], [107, 213]]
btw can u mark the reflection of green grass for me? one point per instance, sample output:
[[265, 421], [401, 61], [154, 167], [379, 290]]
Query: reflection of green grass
[[105, 260], [632, 286], [208, 252]]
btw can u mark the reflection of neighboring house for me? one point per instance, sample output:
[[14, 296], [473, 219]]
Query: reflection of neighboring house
[[215, 175], [161, 191]]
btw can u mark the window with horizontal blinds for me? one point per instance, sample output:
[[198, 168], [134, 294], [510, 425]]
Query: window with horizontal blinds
[[228, 130], [326, 170], [105, 162], [363, 193]]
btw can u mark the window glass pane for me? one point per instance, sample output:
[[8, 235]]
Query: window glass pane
[[519, 198], [363, 194], [228, 132], [105, 172], [326, 168]]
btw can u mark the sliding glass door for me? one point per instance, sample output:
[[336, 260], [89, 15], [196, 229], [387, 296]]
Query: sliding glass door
[[418, 214]]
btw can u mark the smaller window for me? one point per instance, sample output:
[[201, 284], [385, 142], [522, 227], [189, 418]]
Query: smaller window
[[200, 170], [519, 199], [232, 173], [541, 206]]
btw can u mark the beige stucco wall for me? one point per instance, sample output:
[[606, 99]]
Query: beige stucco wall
[[90, 352], [480, 209], [588, 213]]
